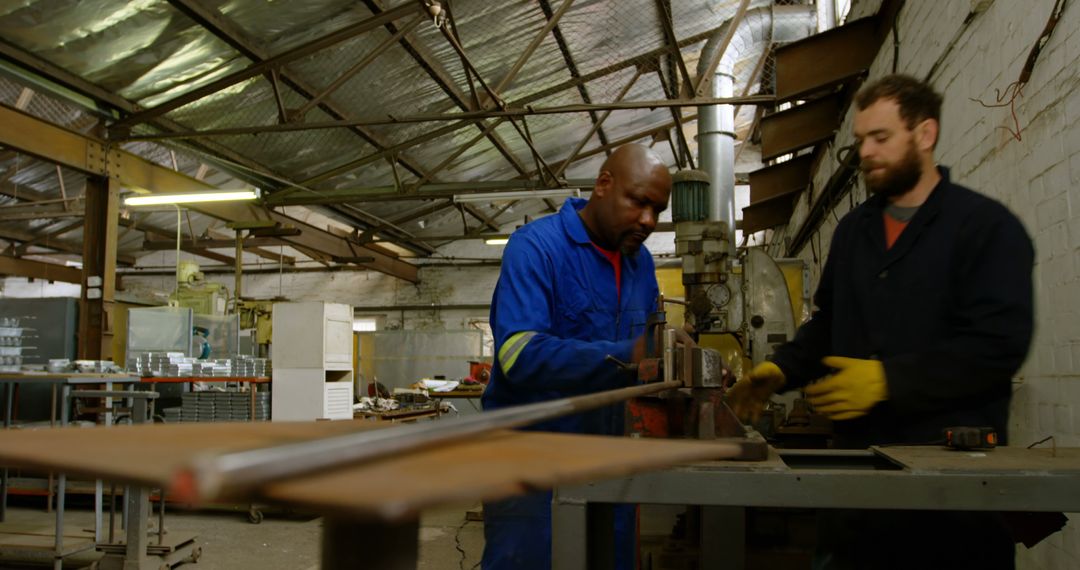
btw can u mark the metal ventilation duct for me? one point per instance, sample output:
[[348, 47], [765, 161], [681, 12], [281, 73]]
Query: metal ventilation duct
[[758, 29]]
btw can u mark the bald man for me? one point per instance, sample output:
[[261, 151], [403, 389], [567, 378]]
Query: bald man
[[574, 288]]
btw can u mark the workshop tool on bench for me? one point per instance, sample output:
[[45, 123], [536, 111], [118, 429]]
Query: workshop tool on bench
[[696, 410], [970, 438]]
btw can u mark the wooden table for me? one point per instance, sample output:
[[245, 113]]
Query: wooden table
[[372, 508], [459, 393]]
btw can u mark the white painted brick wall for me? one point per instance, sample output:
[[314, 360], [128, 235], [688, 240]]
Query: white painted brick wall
[[1038, 178]]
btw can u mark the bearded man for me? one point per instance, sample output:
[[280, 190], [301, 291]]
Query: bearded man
[[924, 314]]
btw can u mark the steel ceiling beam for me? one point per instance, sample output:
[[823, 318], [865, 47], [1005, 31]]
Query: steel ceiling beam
[[552, 21], [431, 191], [64, 78], [577, 82], [89, 155], [44, 239], [211, 243], [39, 270], [572, 67], [185, 244], [266, 64], [422, 56], [663, 9], [367, 235], [227, 31], [596, 126], [625, 140], [467, 117], [355, 68]]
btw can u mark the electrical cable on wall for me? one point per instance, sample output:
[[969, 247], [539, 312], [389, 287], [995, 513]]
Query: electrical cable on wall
[[1015, 90]]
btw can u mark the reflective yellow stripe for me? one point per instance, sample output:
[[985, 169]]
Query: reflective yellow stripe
[[511, 349]]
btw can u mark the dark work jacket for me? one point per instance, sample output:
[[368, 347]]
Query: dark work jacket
[[948, 311]]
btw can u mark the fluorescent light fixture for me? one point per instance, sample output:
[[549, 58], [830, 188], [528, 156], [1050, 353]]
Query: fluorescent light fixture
[[497, 241], [191, 197], [517, 195]]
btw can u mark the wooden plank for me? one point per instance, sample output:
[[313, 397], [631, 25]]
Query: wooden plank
[[105, 453], [489, 467]]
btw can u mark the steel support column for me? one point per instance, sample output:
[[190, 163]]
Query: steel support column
[[99, 268]]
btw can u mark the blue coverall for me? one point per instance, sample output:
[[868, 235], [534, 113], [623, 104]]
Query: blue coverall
[[555, 316]]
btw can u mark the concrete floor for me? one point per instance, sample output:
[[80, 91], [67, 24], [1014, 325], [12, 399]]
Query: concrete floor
[[281, 542]]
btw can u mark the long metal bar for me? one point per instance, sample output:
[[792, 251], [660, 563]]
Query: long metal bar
[[267, 64], [357, 67], [217, 476], [465, 116], [535, 43], [596, 125]]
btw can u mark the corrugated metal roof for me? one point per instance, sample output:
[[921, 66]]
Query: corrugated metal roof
[[152, 51]]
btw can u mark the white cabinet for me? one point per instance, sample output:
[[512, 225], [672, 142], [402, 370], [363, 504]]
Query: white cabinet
[[313, 335], [312, 349]]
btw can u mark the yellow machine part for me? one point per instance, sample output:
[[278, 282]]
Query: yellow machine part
[[257, 315], [670, 281], [793, 275]]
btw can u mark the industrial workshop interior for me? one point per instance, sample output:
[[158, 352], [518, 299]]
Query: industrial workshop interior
[[534, 284]]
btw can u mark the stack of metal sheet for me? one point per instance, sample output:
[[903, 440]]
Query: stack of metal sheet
[[217, 406], [206, 407], [248, 366], [175, 364], [172, 415], [189, 410]]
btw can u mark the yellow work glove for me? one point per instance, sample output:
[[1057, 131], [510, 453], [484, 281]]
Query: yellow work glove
[[857, 386], [747, 398]]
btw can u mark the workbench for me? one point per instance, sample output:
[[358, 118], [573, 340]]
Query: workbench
[[468, 394], [915, 478], [61, 382]]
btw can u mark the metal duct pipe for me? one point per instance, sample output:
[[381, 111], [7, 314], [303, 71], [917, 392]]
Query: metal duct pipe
[[758, 29]]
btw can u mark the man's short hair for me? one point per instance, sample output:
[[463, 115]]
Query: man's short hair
[[917, 100]]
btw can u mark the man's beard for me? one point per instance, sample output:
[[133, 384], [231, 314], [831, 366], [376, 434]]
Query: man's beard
[[897, 179]]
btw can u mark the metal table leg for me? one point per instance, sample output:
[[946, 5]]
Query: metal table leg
[[9, 392], [61, 486], [723, 538], [569, 534], [349, 544]]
